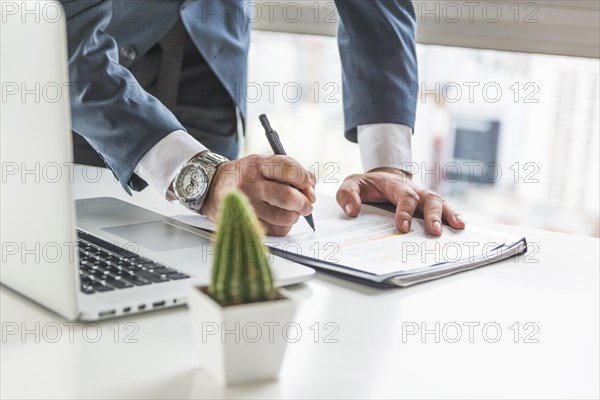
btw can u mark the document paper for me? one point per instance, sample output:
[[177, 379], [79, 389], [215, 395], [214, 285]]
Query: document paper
[[371, 243]]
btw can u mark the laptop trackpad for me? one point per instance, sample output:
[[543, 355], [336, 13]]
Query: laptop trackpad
[[157, 236]]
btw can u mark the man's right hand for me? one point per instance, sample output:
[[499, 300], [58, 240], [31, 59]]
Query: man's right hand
[[279, 189]]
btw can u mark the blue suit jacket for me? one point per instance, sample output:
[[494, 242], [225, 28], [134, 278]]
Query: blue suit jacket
[[122, 121]]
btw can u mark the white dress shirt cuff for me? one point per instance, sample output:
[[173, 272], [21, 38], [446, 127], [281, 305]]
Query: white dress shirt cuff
[[160, 164], [385, 145]]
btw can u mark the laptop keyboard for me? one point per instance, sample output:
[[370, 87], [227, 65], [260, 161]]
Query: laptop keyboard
[[104, 266]]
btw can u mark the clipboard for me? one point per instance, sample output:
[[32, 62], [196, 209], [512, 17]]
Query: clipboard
[[373, 232]]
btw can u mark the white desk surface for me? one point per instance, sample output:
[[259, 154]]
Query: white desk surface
[[554, 289]]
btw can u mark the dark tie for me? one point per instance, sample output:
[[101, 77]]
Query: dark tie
[[172, 45]]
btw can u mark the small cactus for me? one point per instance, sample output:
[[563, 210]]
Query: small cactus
[[241, 272]]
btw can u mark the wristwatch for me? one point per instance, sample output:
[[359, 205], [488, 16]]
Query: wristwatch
[[194, 178]]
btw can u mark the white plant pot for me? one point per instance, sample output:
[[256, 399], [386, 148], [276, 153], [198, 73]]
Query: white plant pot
[[241, 343]]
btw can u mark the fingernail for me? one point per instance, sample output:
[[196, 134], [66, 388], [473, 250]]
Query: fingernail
[[405, 226], [348, 209], [459, 218], [437, 226], [307, 211]]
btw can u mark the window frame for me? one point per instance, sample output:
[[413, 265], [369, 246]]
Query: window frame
[[557, 27]]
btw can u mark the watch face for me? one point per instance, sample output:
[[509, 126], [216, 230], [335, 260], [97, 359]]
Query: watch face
[[191, 182]]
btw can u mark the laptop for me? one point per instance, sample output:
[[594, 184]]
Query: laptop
[[88, 259]]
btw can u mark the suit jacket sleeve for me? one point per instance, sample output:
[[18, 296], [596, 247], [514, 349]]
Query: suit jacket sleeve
[[377, 42], [109, 108]]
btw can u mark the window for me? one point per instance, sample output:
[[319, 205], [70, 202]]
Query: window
[[522, 130]]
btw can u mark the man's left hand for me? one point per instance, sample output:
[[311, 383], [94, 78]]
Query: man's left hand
[[392, 185]]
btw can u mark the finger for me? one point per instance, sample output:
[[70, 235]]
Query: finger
[[310, 193], [406, 204], [348, 196], [313, 177], [275, 215], [274, 230], [282, 196], [432, 205], [399, 192], [453, 218], [285, 169]]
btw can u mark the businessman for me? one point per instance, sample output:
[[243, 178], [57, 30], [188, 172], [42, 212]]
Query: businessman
[[157, 94]]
